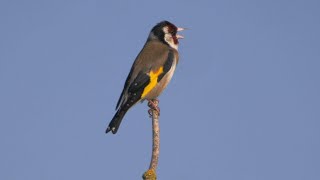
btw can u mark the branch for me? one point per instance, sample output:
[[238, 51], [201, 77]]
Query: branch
[[154, 112]]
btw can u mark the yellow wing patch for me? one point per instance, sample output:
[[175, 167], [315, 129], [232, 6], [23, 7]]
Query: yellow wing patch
[[153, 81]]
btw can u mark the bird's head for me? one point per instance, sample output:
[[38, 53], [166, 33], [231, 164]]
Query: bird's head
[[166, 32]]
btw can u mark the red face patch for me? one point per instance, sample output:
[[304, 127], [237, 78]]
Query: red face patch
[[173, 31]]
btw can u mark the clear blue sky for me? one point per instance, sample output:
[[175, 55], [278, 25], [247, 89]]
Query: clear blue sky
[[244, 103]]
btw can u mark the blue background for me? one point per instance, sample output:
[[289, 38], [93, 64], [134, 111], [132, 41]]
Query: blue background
[[244, 102]]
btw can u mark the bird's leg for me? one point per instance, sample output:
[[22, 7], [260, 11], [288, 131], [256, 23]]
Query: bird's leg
[[153, 105]]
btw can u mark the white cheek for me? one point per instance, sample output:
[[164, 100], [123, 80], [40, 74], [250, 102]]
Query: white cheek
[[168, 38]]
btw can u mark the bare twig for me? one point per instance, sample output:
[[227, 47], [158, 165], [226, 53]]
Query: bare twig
[[150, 174]]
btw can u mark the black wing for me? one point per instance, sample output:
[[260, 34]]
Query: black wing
[[136, 87], [124, 88], [167, 65]]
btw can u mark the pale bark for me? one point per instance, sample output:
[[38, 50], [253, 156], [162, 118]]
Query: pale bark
[[150, 174]]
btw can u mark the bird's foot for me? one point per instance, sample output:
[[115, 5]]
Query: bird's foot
[[153, 105]]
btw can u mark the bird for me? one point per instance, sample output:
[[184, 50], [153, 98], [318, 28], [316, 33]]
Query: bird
[[151, 71]]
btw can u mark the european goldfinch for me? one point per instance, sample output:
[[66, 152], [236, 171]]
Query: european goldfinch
[[151, 71]]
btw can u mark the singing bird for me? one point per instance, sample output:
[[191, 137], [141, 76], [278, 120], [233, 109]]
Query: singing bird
[[151, 71]]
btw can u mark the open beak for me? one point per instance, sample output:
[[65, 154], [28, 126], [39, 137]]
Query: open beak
[[178, 35], [180, 29]]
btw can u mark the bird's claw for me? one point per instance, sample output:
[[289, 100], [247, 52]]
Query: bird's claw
[[153, 104]]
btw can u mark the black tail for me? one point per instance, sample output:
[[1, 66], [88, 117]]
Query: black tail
[[116, 121], [131, 99]]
